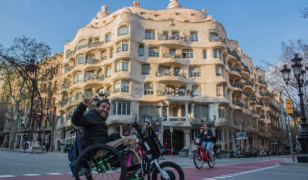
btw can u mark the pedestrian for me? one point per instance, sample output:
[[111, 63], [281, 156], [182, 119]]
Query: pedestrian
[[47, 147], [146, 129], [95, 130]]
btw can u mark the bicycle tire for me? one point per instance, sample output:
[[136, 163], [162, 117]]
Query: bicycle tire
[[105, 164], [211, 163], [178, 176], [198, 158]]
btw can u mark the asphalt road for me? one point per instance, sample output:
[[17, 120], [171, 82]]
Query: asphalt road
[[54, 166]]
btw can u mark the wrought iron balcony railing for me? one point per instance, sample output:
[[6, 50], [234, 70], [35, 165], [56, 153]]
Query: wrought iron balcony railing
[[234, 54], [172, 37], [176, 92], [68, 68], [217, 39], [235, 69], [92, 60], [170, 73], [94, 77], [69, 54], [202, 121], [65, 85], [238, 103], [255, 112], [236, 84]]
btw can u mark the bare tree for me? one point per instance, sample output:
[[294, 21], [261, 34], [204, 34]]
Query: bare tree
[[274, 77], [49, 88], [23, 50], [305, 13]]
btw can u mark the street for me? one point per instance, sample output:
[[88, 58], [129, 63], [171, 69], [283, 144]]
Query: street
[[54, 166]]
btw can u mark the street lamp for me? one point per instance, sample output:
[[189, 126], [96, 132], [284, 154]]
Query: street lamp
[[162, 120], [299, 76]]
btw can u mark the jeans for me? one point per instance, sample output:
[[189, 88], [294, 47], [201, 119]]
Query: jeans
[[207, 146]]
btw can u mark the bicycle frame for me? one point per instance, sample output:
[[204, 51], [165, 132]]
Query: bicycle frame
[[205, 154]]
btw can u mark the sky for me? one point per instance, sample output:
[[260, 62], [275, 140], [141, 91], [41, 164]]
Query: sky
[[258, 25]]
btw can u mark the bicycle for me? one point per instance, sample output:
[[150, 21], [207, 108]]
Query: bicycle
[[200, 156], [101, 161]]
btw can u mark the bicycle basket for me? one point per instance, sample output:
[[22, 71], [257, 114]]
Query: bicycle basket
[[197, 141]]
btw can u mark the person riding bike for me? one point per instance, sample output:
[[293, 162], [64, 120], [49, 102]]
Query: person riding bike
[[206, 137], [95, 129]]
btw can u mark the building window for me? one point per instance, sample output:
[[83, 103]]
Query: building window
[[78, 77], [123, 30], [197, 91], [109, 72], [219, 71], [187, 53], [148, 89], [153, 52], [121, 86], [146, 69], [204, 54], [80, 59], [221, 111], [220, 90], [172, 51], [149, 34], [104, 55], [122, 46], [194, 36], [212, 35], [217, 53], [175, 35], [121, 66], [141, 50], [112, 53], [194, 72], [123, 108], [108, 37]]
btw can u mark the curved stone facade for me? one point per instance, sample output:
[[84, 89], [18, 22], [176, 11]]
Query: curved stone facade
[[175, 57]]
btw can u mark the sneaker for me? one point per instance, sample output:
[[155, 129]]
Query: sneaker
[[134, 176]]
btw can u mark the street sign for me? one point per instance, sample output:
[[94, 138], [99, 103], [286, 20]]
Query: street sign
[[171, 128], [289, 106], [157, 129], [241, 135]]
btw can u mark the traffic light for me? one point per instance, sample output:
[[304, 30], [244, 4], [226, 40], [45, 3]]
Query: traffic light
[[289, 106]]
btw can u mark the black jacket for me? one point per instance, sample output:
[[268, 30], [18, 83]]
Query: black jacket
[[94, 126], [204, 137]]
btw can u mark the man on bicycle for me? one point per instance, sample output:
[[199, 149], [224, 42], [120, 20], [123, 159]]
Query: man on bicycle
[[206, 136], [95, 129]]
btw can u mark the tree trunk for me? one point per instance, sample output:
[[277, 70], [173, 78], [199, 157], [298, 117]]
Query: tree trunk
[[13, 132], [52, 139]]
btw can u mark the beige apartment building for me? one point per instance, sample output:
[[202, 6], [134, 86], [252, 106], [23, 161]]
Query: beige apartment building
[[178, 58]]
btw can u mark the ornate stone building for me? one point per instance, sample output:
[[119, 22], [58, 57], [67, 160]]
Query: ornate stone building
[[180, 59]]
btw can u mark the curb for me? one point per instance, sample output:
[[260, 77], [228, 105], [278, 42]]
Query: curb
[[293, 164]]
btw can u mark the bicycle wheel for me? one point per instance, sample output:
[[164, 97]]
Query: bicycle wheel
[[100, 162], [198, 159], [174, 171], [211, 162]]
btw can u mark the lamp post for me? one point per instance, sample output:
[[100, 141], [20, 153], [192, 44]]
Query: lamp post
[[162, 106], [300, 82]]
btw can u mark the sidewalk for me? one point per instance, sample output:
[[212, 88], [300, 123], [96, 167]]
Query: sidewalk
[[293, 164], [22, 151]]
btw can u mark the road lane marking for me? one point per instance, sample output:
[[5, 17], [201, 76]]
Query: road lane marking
[[54, 173], [31, 174], [6, 176]]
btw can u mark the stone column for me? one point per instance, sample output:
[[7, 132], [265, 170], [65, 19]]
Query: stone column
[[156, 89], [223, 138], [228, 139], [186, 111], [187, 139], [179, 111], [117, 104], [192, 110], [168, 112]]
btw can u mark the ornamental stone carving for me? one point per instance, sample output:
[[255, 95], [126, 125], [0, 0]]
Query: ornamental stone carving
[[103, 13]]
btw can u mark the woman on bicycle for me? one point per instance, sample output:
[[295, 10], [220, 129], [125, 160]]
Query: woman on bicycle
[[206, 137]]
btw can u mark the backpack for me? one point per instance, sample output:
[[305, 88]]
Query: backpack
[[74, 152]]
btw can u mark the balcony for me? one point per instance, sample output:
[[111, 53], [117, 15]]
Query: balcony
[[170, 73], [69, 54], [91, 60], [264, 93], [262, 116], [236, 85], [262, 82], [236, 69], [234, 54], [166, 37], [255, 112], [217, 39], [93, 77], [177, 92], [251, 96], [91, 44], [260, 103], [65, 85], [238, 103], [201, 121], [68, 68], [178, 57]]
